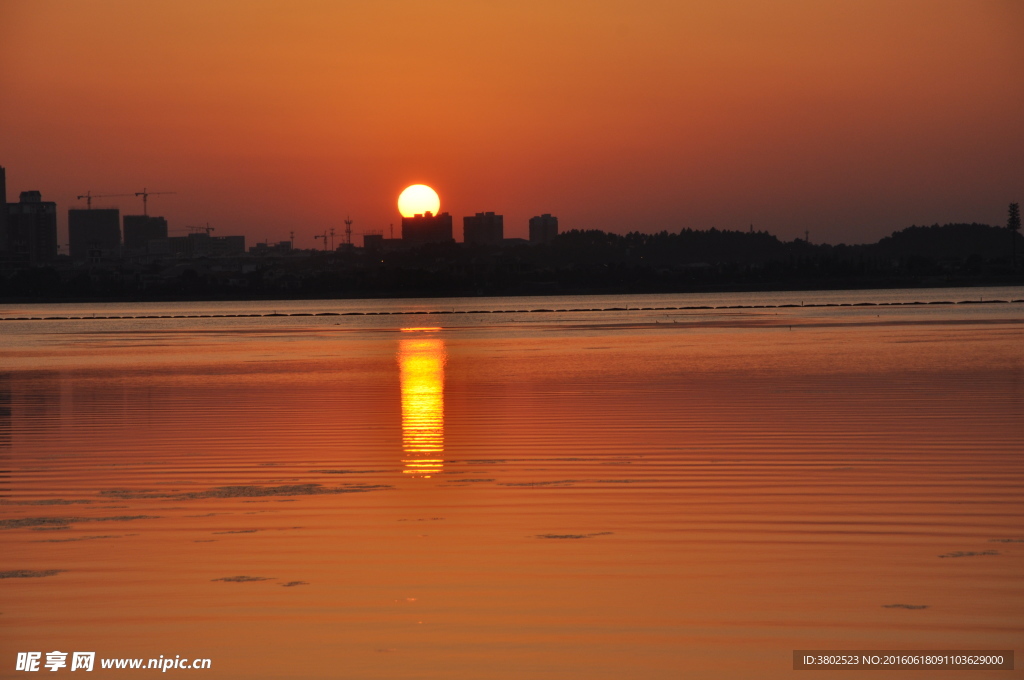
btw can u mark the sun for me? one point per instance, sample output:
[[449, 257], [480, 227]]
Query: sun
[[417, 200]]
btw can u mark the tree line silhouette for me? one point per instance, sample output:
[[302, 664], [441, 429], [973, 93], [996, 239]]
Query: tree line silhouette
[[576, 262]]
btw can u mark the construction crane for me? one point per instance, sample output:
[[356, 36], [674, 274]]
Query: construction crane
[[207, 229], [332, 238], [348, 231], [146, 194], [88, 198], [324, 237]]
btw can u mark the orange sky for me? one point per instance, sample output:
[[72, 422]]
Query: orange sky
[[849, 119]]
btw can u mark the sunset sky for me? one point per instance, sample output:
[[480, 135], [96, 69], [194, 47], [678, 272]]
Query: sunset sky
[[848, 119]]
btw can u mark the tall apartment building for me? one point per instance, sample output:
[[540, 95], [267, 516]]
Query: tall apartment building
[[139, 230], [543, 228], [29, 228], [484, 228], [94, 235]]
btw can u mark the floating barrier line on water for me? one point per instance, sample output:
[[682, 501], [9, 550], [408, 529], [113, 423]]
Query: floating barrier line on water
[[505, 311]]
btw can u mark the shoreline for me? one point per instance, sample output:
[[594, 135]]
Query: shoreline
[[535, 291]]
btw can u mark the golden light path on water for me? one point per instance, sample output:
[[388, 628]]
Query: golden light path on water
[[421, 361], [642, 493]]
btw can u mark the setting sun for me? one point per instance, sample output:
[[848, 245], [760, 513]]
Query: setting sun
[[417, 200]]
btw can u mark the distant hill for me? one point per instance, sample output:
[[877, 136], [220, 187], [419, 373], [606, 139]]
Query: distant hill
[[948, 241]]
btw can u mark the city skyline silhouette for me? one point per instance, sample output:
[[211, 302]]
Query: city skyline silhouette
[[846, 121]]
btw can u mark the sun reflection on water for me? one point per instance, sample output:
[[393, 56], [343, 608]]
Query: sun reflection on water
[[421, 361]]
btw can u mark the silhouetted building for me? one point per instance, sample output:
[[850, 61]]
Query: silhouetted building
[[139, 230], [159, 247], [427, 228], [3, 210], [94, 235], [227, 245], [543, 228], [280, 248], [198, 245], [484, 228], [176, 245], [30, 229], [376, 243]]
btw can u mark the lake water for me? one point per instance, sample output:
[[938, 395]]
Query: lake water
[[670, 486]]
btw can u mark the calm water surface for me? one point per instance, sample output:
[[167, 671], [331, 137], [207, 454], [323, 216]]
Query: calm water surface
[[674, 486]]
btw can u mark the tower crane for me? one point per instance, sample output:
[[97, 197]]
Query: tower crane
[[348, 231], [324, 237], [146, 194], [207, 229], [332, 238], [88, 196]]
